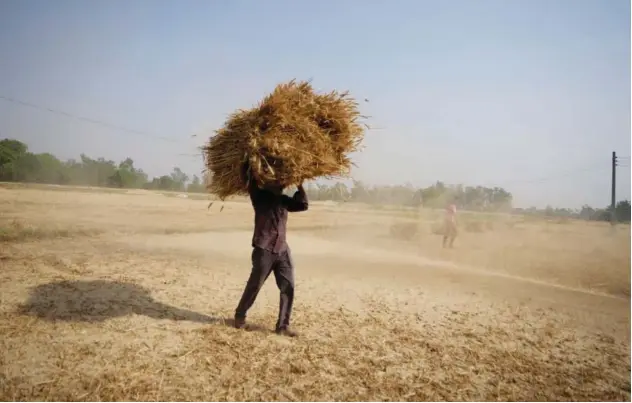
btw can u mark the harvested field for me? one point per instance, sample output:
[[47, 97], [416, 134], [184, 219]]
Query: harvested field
[[128, 296]]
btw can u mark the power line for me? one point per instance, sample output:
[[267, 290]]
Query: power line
[[625, 160], [85, 119], [153, 135], [567, 174], [621, 162]]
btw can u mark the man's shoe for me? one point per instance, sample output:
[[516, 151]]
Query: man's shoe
[[286, 332], [240, 323]]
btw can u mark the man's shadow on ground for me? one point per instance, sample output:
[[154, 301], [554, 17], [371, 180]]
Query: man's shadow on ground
[[99, 300]]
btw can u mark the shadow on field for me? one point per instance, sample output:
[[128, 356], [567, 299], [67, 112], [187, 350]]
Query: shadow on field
[[98, 300]]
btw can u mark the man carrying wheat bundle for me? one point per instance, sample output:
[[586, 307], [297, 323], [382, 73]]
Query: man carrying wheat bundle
[[293, 135], [270, 251]]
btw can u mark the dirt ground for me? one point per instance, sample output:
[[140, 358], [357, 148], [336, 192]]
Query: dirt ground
[[129, 295]]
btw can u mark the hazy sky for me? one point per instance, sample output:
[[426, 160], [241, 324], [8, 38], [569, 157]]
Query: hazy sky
[[532, 95]]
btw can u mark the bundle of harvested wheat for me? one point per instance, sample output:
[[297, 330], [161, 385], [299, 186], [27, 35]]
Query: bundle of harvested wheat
[[295, 134]]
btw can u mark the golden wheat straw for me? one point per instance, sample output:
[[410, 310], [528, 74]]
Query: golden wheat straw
[[293, 135]]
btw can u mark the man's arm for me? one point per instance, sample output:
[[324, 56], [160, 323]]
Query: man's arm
[[296, 203], [257, 195]]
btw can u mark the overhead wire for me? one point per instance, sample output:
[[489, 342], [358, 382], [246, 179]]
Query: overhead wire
[[624, 159], [87, 119]]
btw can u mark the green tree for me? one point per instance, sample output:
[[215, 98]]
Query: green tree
[[10, 152], [622, 211], [179, 179], [49, 169], [196, 185], [127, 176]]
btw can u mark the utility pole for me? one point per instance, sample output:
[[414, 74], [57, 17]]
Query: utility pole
[[613, 201]]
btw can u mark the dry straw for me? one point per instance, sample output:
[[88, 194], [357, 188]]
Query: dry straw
[[295, 134]]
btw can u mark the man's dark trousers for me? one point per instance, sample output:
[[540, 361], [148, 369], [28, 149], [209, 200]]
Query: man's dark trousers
[[263, 263]]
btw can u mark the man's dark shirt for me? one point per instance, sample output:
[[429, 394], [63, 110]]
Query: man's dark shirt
[[271, 217]]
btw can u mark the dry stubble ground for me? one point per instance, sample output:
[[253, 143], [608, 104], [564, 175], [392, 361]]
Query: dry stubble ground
[[115, 296]]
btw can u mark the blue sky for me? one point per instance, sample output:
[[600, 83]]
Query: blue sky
[[530, 95]]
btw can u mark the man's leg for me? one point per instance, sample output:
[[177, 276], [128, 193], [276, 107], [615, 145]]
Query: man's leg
[[284, 275], [446, 233], [262, 262], [452, 235]]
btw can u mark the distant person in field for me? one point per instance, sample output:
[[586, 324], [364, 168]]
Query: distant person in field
[[270, 251], [449, 226]]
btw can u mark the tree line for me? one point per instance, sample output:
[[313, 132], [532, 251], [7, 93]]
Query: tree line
[[18, 164]]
